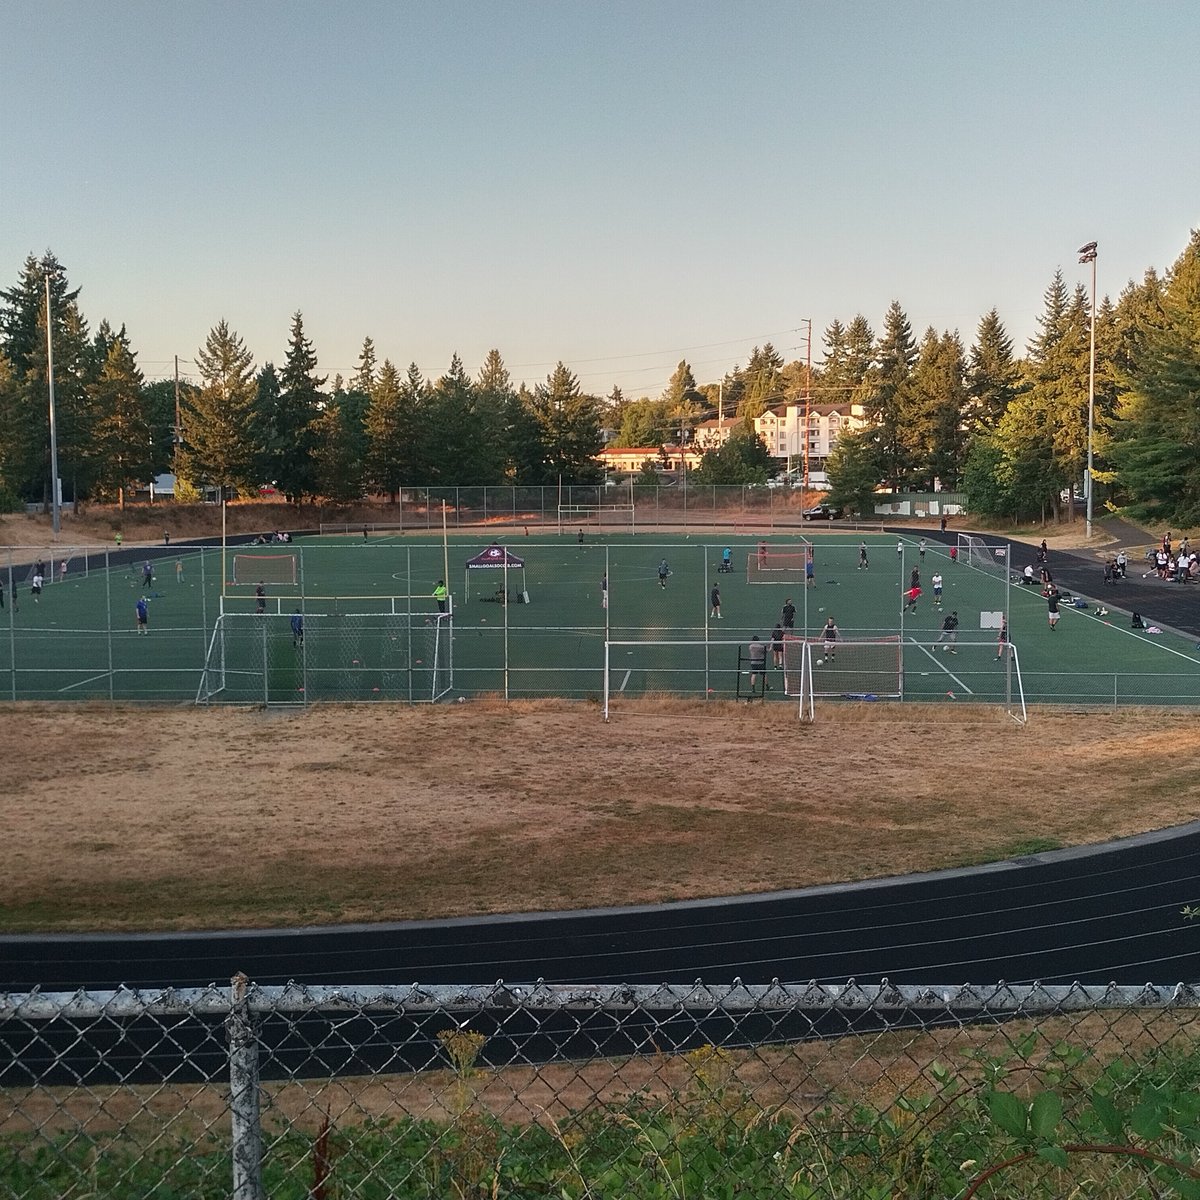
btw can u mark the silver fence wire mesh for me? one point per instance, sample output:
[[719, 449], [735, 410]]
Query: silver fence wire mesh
[[580, 1091]]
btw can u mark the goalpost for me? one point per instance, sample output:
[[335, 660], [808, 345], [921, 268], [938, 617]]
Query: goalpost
[[774, 564], [615, 516], [975, 552], [895, 668], [264, 568], [273, 659]]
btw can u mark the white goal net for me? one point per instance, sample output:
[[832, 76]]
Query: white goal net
[[975, 552], [264, 568], [772, 564], [307, 658]]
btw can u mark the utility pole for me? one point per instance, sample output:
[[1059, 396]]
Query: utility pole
[[55, 519], [178, 428]]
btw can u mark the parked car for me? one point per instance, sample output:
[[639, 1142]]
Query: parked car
[[821, 512]]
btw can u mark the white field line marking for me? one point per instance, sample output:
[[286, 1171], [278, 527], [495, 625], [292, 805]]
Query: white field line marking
[[933, 658]]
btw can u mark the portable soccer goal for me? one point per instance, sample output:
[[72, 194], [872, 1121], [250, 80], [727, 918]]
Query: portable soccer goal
[[908, 669], [774, 564], [277, 659], [975, 552], [264, 568]]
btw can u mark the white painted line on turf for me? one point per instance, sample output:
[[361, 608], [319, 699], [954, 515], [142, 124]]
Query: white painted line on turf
[[933, 658], [625, 680]]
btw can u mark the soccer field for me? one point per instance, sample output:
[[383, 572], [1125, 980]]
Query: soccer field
[[371, 629]]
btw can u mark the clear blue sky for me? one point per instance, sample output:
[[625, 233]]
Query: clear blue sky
[[617, 185]]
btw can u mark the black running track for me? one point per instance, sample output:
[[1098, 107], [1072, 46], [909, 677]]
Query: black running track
[[1093, 914]]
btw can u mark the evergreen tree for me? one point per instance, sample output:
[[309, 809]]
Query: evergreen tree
[[1056, 380], [341, 447], [124, 437], [388, 432], [932, 421], [682, 403], [763, 383], [993, 374], [644, 423], [26, 421], [570, 422], [364, 377], [220, 419], [451, 420], [525, 440], [1158, 439], [886, 396], [158, 405], [490, 397], [293, 436]]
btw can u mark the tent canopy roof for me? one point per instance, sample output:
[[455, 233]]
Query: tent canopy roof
[[494, 555]]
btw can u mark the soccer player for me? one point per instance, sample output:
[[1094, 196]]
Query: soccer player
[[1002, 639], [604, 591], [829, 638], [777, 644], [910, 599], [62, 571], [788, 614], [147, 574], [142, 609], [179, 570], [899, 547], [1052, 607], [260, 598], [663, 572], [914, 577], [758, 664], [297, 629], [716, 603], [809, 568], [921, 549], [581, 537], [949, 633], [864, 564], [762, 554], [727, 561], [441, 594], [36, 587], [937, 588]]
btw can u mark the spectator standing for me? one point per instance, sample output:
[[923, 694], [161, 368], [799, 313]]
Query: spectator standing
[[758, 664]]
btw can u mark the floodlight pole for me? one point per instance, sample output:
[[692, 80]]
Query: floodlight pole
[[1087, 254], [54, 510]]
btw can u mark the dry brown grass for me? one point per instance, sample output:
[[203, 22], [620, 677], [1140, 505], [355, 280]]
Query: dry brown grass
[[184, 819]]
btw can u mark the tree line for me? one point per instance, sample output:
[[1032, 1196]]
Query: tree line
[[1011, 430]]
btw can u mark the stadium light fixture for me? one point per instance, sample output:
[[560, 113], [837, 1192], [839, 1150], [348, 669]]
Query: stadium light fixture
[[1087, 254]]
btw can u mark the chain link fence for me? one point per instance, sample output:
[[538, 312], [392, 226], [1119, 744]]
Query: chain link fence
[[602, 1091]]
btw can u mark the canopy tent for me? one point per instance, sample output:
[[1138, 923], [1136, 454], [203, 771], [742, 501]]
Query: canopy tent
[[495, 558]]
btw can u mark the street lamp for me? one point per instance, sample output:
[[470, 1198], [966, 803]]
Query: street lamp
[[49, 268], [1087, 254]]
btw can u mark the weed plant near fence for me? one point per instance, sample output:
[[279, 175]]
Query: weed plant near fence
[[838, 1092]]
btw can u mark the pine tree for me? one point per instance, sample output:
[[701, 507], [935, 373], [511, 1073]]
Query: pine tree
[[763, 383], [885, 399], [293, 435], [932, 420], [490, 396], [1157, 450], [124, 437], [453, 444], [570, 422], [220, 419], [993, 375], [364, 377]]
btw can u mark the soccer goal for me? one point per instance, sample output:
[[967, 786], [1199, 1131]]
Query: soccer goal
[[599, 516], [773, 564], [328, 657], [264, 568], [975, 552], [854, 669]]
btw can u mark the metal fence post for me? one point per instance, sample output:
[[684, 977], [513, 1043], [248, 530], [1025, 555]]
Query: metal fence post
[[245, 1116]]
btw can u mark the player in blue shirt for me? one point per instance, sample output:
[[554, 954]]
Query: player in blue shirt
[[297, 629], [143, 615]]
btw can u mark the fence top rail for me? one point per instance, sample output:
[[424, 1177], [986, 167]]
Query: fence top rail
[[998, 998]]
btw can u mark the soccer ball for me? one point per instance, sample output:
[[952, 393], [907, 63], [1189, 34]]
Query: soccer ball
[[945, 648], [820, 662]]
